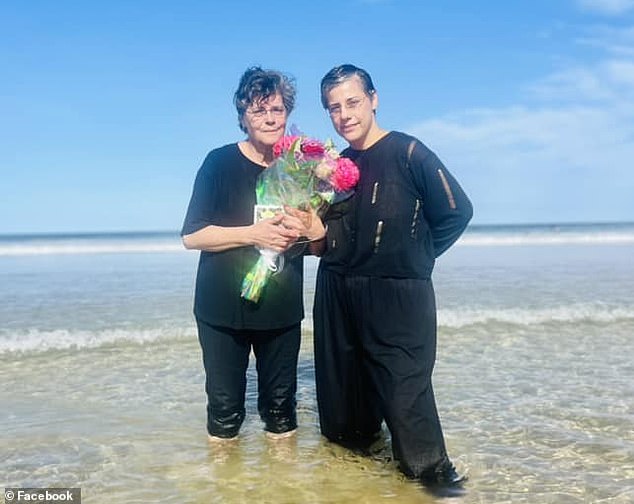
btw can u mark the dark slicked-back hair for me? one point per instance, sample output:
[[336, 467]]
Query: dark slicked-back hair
[[257, 84], [342, 73]]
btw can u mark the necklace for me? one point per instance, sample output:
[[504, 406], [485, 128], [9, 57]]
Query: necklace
[[252, 154]]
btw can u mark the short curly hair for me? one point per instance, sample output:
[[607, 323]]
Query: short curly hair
[[257, 84]]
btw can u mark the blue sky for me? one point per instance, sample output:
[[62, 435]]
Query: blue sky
[[107, 109]]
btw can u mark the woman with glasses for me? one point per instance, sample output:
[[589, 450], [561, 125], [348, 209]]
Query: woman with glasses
[[220, 223], [375, 311]]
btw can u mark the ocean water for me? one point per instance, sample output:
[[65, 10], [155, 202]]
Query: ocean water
[[103, 386]]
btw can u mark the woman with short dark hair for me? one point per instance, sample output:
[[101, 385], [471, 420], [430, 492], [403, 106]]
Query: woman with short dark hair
[[219, 223]]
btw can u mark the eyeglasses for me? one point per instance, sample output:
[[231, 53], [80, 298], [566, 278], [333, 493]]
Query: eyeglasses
[[261, 112], [352, 104]]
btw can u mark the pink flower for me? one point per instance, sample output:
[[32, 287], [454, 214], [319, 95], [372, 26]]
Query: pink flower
[[345, 176], [312, 149], [283, 145]]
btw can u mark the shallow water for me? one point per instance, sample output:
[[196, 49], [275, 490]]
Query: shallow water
[[103, 384]]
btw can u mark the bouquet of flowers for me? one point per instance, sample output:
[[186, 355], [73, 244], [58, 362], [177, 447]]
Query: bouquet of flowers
[[306, 174]]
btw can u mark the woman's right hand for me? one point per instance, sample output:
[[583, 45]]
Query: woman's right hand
[[273, 235]]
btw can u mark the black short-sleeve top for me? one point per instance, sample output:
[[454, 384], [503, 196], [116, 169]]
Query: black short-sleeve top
[[224, 195]]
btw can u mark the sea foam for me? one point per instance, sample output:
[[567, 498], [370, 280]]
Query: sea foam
[[165, 242], [512, 239], [23, 249], [567, 314], [36, 340]]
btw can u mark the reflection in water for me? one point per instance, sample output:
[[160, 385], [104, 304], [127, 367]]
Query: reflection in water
[[302, 469], [283, 450]]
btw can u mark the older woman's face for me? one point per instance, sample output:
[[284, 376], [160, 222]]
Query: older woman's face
[[265, 120]]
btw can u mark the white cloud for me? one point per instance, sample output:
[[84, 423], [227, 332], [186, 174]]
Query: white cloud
[[611, 81], [554, 164], [607, 7], [567, 151], [523, 142], [616, 41]]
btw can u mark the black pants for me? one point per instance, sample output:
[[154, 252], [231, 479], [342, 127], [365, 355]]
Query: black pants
[[375, 349], [226, 359]]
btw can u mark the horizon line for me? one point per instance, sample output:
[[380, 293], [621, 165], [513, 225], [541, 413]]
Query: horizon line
[[44, 234]]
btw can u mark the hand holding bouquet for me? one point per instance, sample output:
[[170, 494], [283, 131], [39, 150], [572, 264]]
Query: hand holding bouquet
[[306, 174]]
